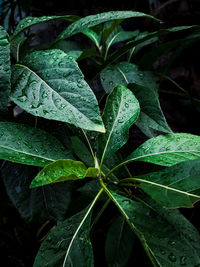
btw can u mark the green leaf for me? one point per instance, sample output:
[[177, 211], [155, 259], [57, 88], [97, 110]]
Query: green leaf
[[71, 48], [4, 70], [168, 150], [119, 243], [28, 22], [174, 187], [94, 20], [36, 205], [64, 241], [166, 234], [27, 145], [125, 73], [147, 37], [151, 119], [50, 84], [63, 170], [16, 47], [121, 111], [96, 38]]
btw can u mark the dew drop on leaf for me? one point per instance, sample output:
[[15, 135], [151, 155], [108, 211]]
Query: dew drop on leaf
[[183, 260], [120, 121], [172, 243], [172, 257], [22, 98], [111, 82], [126, 105]]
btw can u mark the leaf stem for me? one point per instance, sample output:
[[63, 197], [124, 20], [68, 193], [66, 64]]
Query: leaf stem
[[80, 225], [88, 141]]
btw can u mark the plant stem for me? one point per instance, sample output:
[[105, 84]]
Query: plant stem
[[92, 152]]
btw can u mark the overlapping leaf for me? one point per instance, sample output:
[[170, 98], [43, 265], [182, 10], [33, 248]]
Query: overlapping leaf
[[168, 238], [65, 241], [63, 170], [4, 70], [121, 111], [28, 22], [174, 187], [93, 20], [50, 84], [71, 48], [26, 145], [168, 150], [35, 205]]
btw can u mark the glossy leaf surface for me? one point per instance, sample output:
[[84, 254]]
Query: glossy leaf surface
[[28, 22], [121, 111], [174, 187], [26, 145], [119, 243], [170, 239], [151, 119], [35, 205], [4, 70], [50, 84], [63, 170], [168, 150], [93, 20], [125, 73], [71, 48], [54, 248]]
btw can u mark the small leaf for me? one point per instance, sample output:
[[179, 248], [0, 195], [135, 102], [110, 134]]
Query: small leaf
[[174, 187], [121, 111], [168, 238], [168, 150], [31, 146], [4, 70], [151, 119], [119, 243], [50, 84], [125, 73], [28, 22], [93, 36], [94, 20], [63, 170], [65, 239], [40, 204]]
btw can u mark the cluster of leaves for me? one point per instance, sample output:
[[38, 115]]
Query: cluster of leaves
[[69, 139]]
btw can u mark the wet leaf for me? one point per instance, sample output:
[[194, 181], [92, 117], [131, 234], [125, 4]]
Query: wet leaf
[[121, 111], [26, 145], [50, 84], [71, 48], [119, 243], [94, 20], [35, 205], [63, 170], [174, 187], [168, 237], [4, 70], [28, 22], [168, 150], [65, 241]]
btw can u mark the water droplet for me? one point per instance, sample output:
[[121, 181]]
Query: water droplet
[[172, 257], [22, 98], [126, 105], [80, 85], [172, 243], [120, 121], [162, 252], [45, 94], [111, 82], [110, 118], [45, 112], [29, 20], [62, 106], [183, 260], [141, 75]]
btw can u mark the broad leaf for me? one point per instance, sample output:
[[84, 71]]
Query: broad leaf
[[40, 204], [27, 145], [50, 84], [71, 48], [151, 119], [125, 73], [121, 111], [93, 20], [168, 238], [4, 70], [16, 47], [63, 170], [168, 150], [66, 242], [28, 22], [119, 243], [174, 187]]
